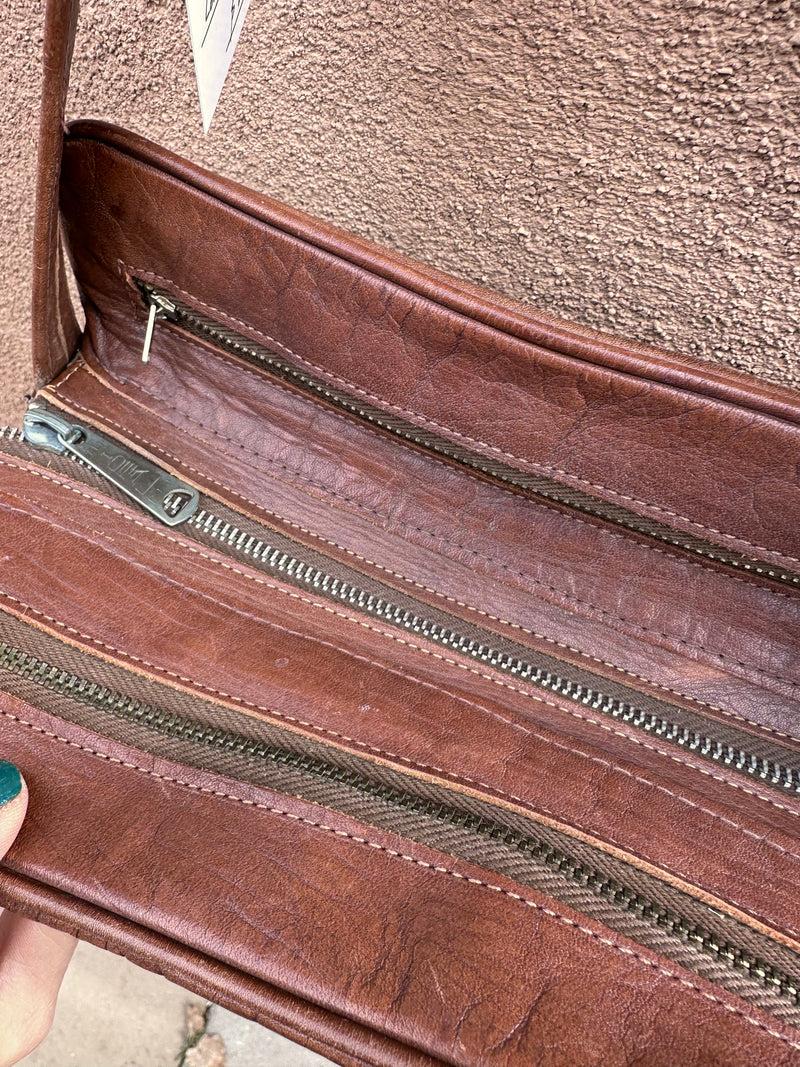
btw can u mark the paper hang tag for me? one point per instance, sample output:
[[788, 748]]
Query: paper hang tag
[[215, 26]]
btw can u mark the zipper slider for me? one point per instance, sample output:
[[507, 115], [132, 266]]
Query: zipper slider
[[167, 498], [160, 307]]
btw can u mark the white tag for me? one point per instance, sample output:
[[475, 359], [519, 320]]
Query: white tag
[[215, 26]]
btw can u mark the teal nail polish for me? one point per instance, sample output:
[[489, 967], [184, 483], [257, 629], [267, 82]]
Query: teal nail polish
[[10, 782]]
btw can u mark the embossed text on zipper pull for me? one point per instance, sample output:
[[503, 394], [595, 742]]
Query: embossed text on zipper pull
[[167, 498]]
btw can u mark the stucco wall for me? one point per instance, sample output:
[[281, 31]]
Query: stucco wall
[[630, 164]]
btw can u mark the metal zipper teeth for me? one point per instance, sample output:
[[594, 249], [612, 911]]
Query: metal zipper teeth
[[311, 577], [765, 768], [232, 342], [175, 726]]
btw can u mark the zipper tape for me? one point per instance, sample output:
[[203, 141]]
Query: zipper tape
[[775, 765], [194, 731]]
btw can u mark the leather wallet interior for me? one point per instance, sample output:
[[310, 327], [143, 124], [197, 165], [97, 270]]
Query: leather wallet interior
[[406, 670]]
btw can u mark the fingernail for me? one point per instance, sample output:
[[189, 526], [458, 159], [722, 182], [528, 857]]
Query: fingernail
[[10, 782]]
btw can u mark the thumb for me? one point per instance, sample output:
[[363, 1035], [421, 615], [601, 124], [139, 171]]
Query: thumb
[[13, 804], [32, 957]]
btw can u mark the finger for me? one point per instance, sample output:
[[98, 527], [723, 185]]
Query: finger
[[33, 958], [13, 803]]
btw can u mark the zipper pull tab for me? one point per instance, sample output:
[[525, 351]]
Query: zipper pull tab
[[167, 498], [159, 308]]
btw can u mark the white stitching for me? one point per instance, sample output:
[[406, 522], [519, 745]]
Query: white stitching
[[725, 659], [395, 854], [460, 603], [391, 636], [323, 606], [198, 344], [382, 402]]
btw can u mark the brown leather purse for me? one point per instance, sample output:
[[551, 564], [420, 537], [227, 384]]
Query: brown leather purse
[[397, 666]]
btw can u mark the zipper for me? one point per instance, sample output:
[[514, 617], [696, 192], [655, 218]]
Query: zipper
[[608, 888], [639, 905], [169, 499], [553, 676], [165, 307], [773, 764]]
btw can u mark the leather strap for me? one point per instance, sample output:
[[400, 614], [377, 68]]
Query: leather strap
[[55, 330]]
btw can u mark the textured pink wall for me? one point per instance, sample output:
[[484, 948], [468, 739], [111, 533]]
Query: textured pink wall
[[634, 166]]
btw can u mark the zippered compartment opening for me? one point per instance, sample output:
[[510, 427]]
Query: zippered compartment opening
[[165, 307], [773, 764], [115, 703]]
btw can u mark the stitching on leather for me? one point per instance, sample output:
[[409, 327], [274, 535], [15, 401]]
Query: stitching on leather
[[458, 778], [410, 645], [638, 627], [395, 854], [77, 365], [242, 702], [469, 607], [392, 636], [197, 345], [460, 603], [381, 402], [241, 367]]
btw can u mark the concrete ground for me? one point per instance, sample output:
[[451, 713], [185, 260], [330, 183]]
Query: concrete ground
[[113, 1014]]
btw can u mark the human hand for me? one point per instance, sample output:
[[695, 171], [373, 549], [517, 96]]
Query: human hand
[[33, 958]]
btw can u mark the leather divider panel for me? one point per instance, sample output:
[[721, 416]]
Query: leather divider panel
[[683, 622], [286, 893], [706, 465], [196, 622]]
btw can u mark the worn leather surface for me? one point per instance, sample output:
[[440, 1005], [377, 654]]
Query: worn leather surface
[[331, 1035], [55, 330], [705, 633], [719, 468], [454, 966], [359, 943], [212, 430], [208, 625]]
